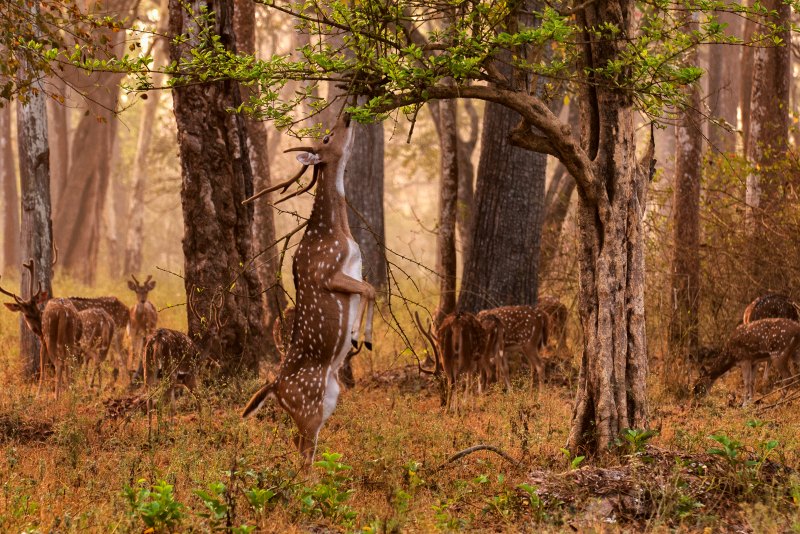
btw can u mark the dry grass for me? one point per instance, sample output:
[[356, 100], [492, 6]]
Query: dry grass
[[65, 465]]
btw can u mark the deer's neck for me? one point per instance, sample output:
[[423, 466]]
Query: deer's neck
[[329, 214]]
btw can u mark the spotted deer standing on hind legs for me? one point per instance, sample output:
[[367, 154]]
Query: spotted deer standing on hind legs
[[332, 298]]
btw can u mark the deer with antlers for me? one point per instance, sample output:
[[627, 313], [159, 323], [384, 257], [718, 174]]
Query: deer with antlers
[[525, 328], [143, 317], [55, 322], [774, 340], [332, 298]]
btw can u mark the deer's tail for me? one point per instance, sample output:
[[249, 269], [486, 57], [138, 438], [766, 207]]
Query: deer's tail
[[258, 400]]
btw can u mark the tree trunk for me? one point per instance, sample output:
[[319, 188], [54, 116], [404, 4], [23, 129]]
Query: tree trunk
[[79, 212], [767, 150], [135, 234], [58, 130], [217, 177], [37, 229], [612, 383], [363, 182], [268, 265], [466, 181], [504, 264], [746, 84], [448, 198], [685, 291], [724, 90], [8, 179]]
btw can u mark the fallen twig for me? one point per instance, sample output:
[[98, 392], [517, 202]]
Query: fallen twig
[[784, 400], [475, 448]]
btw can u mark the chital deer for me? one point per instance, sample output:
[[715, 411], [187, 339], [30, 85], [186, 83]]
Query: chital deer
[[143, 317], [770, 306], [462, 345], [332, 298], [494, 363], [557, 315], [525, 328], [120, 314], [776, 340], [57, 326], [97, 334], [282, 331]]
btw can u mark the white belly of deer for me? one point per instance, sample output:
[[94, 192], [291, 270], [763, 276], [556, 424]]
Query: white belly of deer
[[352, 268]]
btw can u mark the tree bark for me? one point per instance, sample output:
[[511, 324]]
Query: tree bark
[[724, 90], [448, 199], [37, 229], [135, 235], [685, 291], [79, 212], [8, 178], [466, 182], [217, 177], [363, 182], [58, 131], [746, 84], [767, 149], [504, 264], [268, 265]]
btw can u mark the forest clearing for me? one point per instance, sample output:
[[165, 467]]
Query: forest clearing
[[399, 266]]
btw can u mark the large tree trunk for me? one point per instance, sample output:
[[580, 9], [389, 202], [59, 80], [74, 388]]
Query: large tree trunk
[[766, 150], [217, 177], [724, 81], [135, 235], [612, 383], [58, 131], [363, 182], [746, 82], [268, 265], [502, 268], [448, 199], [685, 291], [79, 212], [8, 179], [466, 181], [37, 228]]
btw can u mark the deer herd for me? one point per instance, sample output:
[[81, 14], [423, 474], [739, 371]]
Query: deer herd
[[332, 319]]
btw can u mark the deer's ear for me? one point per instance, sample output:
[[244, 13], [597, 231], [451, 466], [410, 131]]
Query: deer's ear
[[131, 286], [14, 307], [307, 158], [151, 285]]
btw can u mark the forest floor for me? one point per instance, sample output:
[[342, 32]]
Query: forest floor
[[94, 462]]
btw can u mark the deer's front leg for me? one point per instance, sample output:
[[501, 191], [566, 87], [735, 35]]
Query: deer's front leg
[[342, 283]]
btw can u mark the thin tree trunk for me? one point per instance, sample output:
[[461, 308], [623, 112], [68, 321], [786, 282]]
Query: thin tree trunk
[[767, 148], [448, 198], [363, 182], [8, 178], [503, 267], [217, 177], [724, 81], [135, 236], [685, 291], [466, 181], [746, 84], [36, 228], [58, 130], [263, 215]]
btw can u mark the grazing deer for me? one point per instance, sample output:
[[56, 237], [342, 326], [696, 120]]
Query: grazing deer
[[120, 314], [143, 317], [770, 306], [57, 326], [332, 298], [494, 363], [96, 338], [524, 327], [776, 340], [282, 331], [461, 347]]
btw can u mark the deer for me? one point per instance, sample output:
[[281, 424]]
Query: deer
[[557, 315], [494, 363], [97, 328], [143, 317], [282, 331], [54, 321], [461, 341], [120, 315], [770, 306], [775, 340], [332, 298], [524, 327]]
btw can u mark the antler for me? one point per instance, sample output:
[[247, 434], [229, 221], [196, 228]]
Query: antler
[[55, 255], [283, 185], [215, 309], [135, 280], [12, 295], [31, 266], [432, 340], [301, 191]]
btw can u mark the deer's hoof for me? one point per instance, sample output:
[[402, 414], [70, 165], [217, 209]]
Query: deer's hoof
[[368, 344]]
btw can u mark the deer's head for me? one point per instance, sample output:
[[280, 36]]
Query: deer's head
[[141, 290], [327, 155], [31, 308]]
